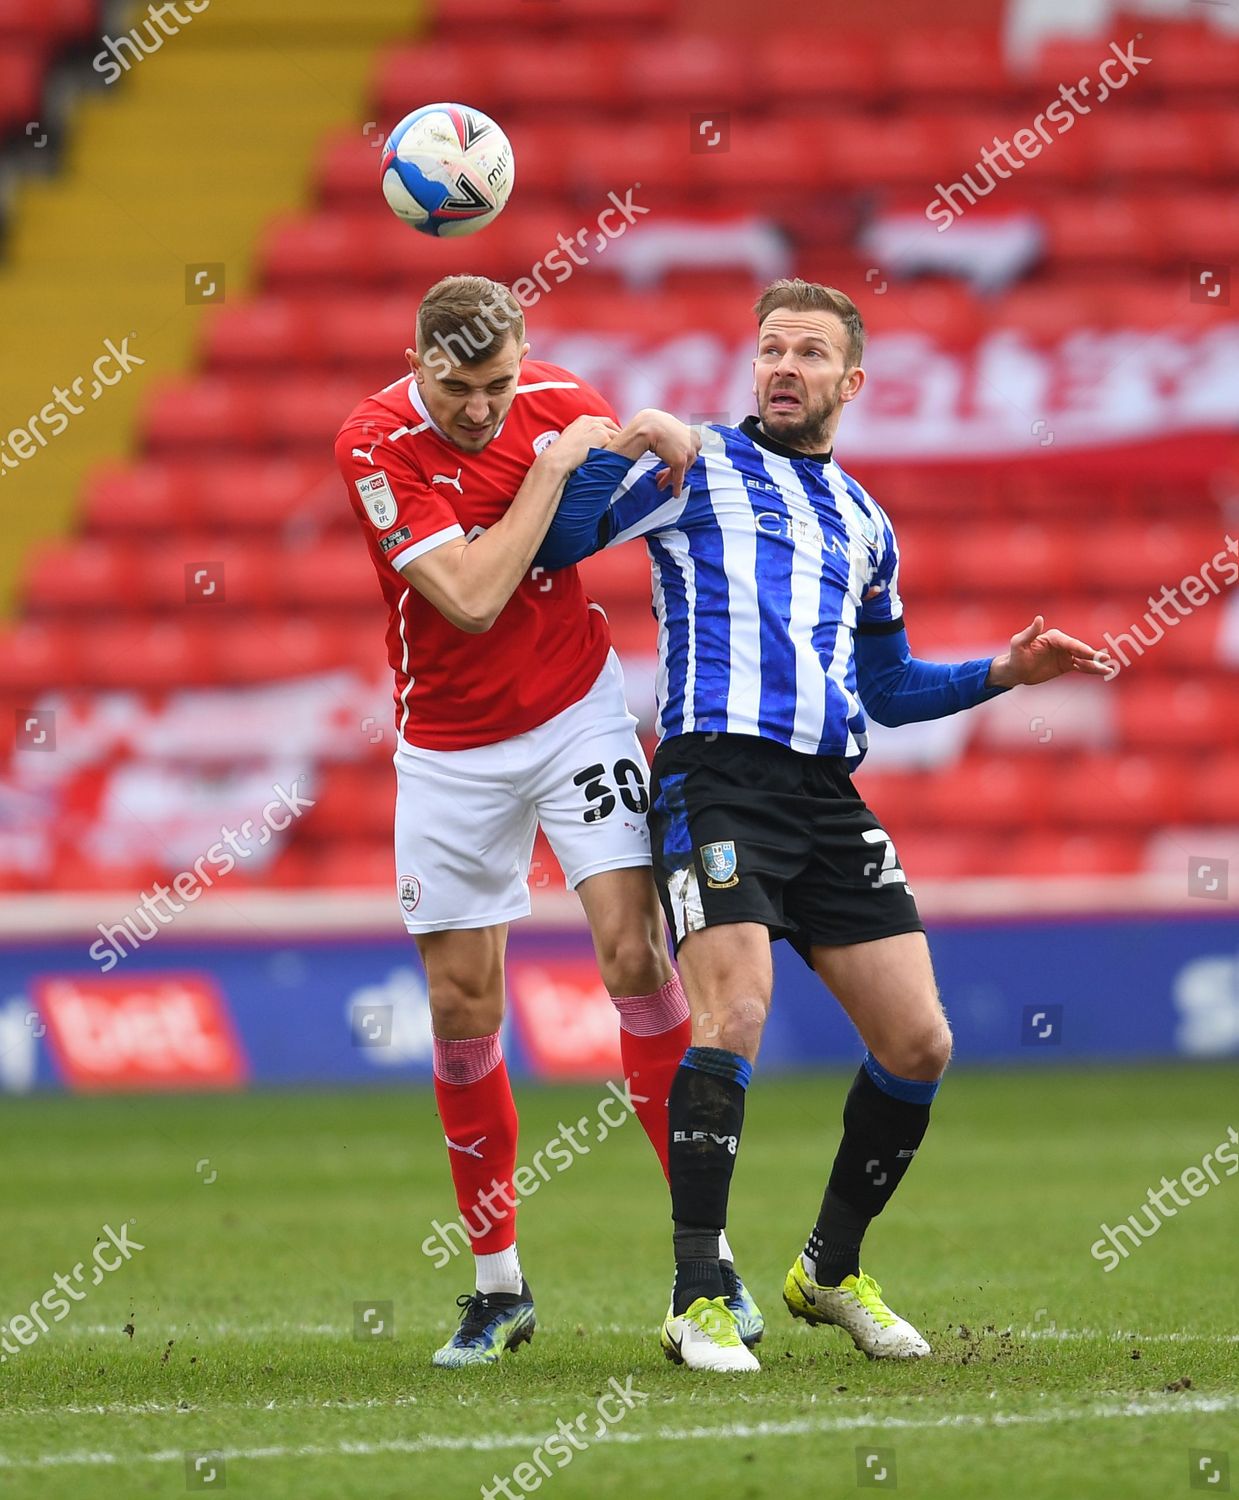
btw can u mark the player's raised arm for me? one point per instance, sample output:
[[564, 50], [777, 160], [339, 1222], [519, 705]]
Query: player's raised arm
[[469, 582], [629, 489]]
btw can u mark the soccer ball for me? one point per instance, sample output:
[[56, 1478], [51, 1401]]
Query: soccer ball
[[447, 169]]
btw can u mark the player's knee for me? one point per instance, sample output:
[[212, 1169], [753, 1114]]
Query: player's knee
[[921, 1052], [465, 1000], [632, 961], [736, 1027]]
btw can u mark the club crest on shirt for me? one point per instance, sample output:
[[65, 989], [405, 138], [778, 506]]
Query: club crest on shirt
[[544, 440], [375, 493], [410, 891], [719, 863]]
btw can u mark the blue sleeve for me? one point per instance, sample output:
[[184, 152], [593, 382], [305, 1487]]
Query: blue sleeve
[[896, 688], [608, 499], [576, 530]]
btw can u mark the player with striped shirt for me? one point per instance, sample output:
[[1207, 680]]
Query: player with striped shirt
[[510, 713], [776, 588]]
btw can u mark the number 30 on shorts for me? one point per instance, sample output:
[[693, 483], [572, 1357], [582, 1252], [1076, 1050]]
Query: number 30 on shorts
[[626, 779]]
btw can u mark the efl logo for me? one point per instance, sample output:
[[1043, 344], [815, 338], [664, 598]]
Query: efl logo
[[160, 1031]]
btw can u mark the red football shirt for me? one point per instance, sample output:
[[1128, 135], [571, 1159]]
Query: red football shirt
[[413, 489]]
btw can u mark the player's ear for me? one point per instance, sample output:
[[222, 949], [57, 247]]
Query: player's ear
[[415, 363], [524, 353], [853, 381]]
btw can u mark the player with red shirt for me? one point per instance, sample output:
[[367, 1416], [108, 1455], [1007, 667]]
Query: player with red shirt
[[510, 713]]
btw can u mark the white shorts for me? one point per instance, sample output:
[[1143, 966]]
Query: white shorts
[[466, 819]]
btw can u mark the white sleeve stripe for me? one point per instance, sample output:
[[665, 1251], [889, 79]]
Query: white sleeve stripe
[[548, 385], [653, 521], [428, 544]]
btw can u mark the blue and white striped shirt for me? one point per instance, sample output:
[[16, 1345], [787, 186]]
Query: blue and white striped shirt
[[765, 568]]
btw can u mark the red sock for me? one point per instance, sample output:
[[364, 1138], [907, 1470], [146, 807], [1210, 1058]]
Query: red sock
[[655, 1033], [479, 1120]]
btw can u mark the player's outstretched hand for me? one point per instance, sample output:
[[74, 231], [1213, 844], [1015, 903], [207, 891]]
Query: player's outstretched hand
[[571, 448], [1038, 654]]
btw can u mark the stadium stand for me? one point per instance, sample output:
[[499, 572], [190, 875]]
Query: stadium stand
[[233, 470]]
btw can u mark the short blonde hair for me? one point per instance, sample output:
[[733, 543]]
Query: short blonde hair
[[811, 296], [470, 318]]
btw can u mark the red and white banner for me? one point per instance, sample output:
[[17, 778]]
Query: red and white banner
[[564, 1018], [1007, 395], [147, 1032]]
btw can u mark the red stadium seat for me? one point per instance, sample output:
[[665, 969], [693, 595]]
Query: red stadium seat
[[1190, 59], [699, 71], [204, 575], [21, 80], [945, 311], [157, 653], [1221, 129], [1125, 792], [994, 794], [889, 151], [53, 21], [946, 60], [1088, 229], [588, 73], [338, 866], [38, 657], [792, 66], [1145, 556], [1201, 226], [618, 578], [335, 574], [216, 495], [452, 69], [353, 802], [1201, 715], [1142, 144], [269, 332], [480, 17], [1075, 854], [210, 414], [1212, 789], [77, 575], [1044, 158]]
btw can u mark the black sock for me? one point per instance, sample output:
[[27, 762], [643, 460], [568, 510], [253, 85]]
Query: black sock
[[706, 1109], [884, 1121]]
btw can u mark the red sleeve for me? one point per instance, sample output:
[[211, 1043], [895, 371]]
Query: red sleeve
[[406, 516]]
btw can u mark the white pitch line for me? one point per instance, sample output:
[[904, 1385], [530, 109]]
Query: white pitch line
[[1188, 1405]]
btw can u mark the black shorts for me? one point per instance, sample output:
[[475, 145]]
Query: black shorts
[[745, 830]]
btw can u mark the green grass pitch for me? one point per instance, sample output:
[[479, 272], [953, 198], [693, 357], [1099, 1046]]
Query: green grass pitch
[[266, 1218]]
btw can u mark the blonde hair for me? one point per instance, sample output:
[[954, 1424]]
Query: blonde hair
[[469, 318], [811, 296]]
